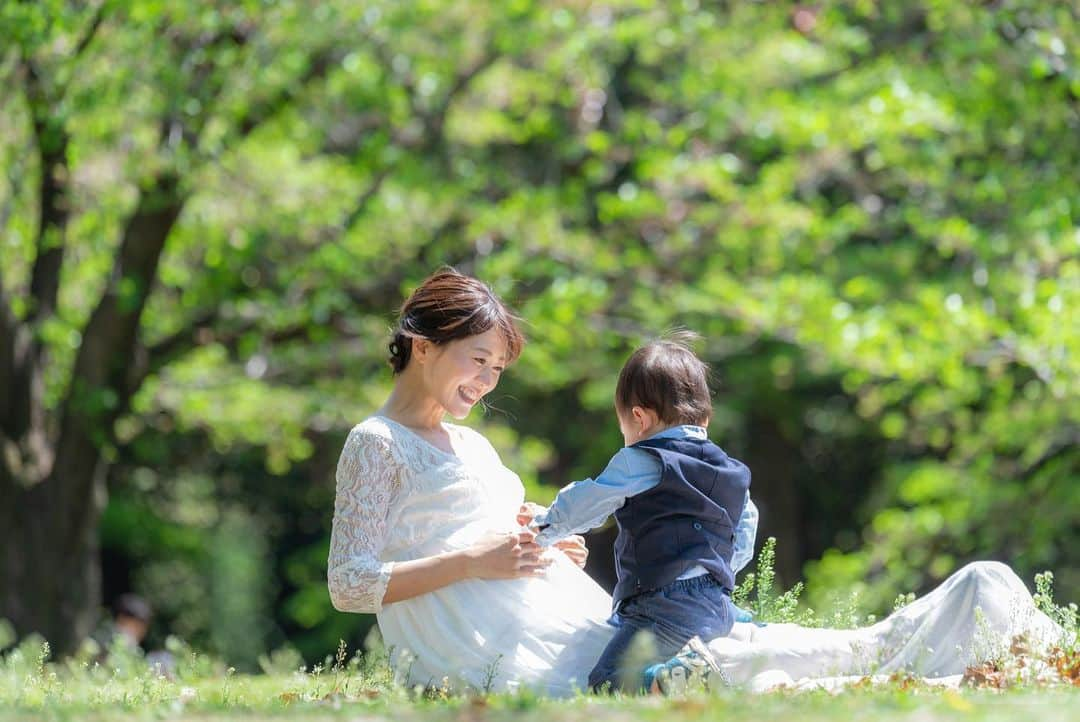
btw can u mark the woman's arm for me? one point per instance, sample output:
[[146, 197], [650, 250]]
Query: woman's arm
[[505, 555], [358, 581], [366, 484]]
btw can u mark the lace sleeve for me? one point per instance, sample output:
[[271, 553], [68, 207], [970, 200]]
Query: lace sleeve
[[366, 480]]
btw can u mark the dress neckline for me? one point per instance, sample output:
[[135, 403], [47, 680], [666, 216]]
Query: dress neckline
[[449, 430]]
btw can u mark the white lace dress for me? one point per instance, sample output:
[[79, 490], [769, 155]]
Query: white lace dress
[[401, 498]]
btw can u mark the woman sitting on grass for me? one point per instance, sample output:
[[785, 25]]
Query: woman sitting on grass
[[425, 535]]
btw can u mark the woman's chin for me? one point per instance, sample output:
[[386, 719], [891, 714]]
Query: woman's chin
[[460, 411], [459, 407]]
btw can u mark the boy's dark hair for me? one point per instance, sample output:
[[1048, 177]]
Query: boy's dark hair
[[668, 378]]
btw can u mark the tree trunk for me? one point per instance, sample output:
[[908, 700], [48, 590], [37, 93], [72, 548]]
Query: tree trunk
[[50, 575], [52, 461], [50, 568]]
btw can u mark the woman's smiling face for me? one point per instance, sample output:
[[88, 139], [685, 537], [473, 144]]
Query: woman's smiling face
[[459, 373]]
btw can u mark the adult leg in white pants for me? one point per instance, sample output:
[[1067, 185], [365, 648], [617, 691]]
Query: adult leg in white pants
[[939, 635]]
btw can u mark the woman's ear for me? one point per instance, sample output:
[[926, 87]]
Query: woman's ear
[[421, 349]]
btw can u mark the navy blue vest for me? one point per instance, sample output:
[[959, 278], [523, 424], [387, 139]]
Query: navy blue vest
[[687, 519]]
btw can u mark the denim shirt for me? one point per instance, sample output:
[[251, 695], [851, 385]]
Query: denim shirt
[[586, 504]]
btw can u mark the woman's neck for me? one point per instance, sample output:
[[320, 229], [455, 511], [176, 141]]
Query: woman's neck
[[410, 404]]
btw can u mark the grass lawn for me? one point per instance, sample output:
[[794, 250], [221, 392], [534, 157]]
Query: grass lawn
[[1015, 688], [314, 697]]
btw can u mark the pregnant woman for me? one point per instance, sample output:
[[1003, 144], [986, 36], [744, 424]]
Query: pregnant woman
[[425, 536]]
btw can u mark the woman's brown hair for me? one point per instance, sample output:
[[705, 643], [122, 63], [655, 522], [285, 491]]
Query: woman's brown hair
[[448, 306]]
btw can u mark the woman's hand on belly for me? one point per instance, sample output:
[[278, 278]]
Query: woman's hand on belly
[[505, 555], [574, 548]]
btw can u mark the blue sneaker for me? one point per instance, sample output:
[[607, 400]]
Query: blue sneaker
[[744, 615], [694, 667]]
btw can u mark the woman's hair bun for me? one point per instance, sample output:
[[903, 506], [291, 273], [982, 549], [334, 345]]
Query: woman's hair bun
[[400, 350]]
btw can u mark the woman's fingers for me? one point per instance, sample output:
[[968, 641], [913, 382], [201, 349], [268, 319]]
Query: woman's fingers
[[534, 570], [530, 552], [508, 555]]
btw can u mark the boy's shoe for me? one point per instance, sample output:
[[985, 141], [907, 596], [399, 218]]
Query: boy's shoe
[[694, 667], [742, 615]]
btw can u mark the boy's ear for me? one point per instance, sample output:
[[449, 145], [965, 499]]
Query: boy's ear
[[644, 418]]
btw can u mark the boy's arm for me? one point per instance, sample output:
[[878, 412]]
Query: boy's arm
[[745, 535], [585, 504]]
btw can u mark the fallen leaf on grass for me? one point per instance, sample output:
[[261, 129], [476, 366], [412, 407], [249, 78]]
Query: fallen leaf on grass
[[905, 681], [1067, 665], [987, 674]]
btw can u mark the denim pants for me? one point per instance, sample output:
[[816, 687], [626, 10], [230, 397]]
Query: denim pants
[[672, 614]]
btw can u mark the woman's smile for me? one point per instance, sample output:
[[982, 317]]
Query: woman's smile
[[468, 395]]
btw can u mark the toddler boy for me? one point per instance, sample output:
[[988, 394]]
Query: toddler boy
[[686, 522]]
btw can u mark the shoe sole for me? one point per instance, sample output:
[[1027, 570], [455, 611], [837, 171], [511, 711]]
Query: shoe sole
[[702, 650], [673, 682]]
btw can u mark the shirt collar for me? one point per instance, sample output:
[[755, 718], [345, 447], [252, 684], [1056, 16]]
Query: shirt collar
[[684, 431]]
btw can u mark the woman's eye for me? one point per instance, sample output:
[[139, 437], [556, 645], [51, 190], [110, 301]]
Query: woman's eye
[[479, 361]]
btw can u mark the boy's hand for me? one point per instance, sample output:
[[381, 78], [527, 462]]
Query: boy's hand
[[527, 511], [574, 548]]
